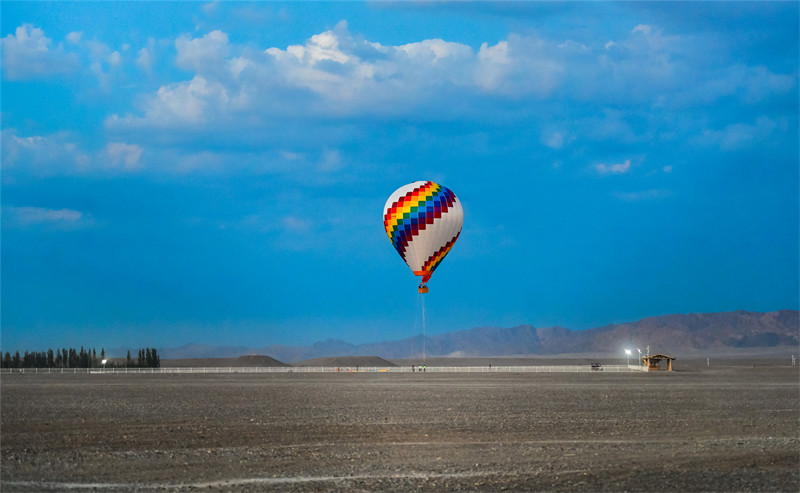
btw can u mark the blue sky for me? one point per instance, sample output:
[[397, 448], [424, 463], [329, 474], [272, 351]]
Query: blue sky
[[216, 172]]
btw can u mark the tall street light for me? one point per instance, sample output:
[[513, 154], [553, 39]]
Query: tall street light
[[628, 353]]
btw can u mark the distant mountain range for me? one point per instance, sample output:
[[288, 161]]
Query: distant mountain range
[[706, 333]]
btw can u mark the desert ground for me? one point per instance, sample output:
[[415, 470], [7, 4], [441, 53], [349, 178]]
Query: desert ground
[[734, 428]]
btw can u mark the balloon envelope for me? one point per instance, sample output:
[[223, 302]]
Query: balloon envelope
[[423, 221]]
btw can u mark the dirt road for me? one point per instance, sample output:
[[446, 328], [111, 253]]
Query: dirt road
[[729, 429]]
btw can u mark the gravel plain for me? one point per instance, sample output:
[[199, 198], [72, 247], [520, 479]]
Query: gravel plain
[[719, 429]]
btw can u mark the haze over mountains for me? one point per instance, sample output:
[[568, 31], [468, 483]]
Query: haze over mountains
[[681, 335]]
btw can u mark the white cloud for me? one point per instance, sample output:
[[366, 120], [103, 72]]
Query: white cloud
[[744, 135], [331, 161], [641, 66], [494, 64], [193, 103], [59, 155], [612, 125], [523, 66], [75, 37], [291, 156], [320, 47], [40, 155], [336, 73], [58, 219], [202, 54], [495, 54], [102, 62], [143, 61], [643, 195], [758, 83], [27, 54], [340, 71], [555, 140], [616, 169], [651, 65], [124, 155], [242, 91], [296, 224], [114, 58], [146, 56], [436, 51], [98, 51]]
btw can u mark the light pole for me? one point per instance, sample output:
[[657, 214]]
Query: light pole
[[640, 356], [104, 364], [628, 353]]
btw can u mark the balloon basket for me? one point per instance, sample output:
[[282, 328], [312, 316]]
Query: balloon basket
[[423, 289]]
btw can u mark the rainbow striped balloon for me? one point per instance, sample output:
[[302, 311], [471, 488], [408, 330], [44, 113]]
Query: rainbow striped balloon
[[423, 221]]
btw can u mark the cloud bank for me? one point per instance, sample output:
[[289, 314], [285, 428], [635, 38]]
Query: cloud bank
[[246, 95]]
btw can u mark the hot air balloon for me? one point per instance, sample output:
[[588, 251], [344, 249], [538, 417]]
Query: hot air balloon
[[423, 221]]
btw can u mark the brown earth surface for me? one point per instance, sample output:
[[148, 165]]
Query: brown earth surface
[[714, 429]]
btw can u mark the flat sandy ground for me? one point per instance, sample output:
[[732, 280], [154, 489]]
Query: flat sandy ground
[[721, 429]]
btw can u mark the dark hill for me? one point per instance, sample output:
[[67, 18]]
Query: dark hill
[[703, 332], [348, 362], [248, 361], [678, 335]]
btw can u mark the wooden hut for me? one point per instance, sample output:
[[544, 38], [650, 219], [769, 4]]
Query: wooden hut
[[653, 362]]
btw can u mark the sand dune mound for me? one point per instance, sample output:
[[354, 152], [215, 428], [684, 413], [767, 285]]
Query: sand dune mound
[[248, 361], [260, 360], [348, 361]]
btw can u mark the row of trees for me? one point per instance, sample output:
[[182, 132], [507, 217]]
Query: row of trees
[[83, 358]]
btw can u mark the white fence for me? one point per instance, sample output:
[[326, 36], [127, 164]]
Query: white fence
[[332, 369]]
